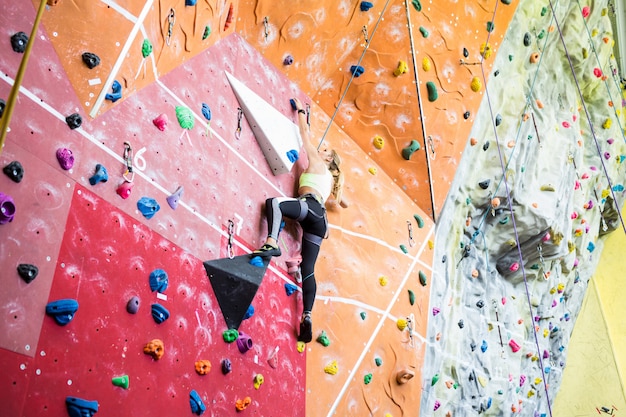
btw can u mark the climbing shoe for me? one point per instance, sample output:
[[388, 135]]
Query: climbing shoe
[[306, 329], [267, 251]]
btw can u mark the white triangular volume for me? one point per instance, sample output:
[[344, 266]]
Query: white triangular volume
[[275, 133]]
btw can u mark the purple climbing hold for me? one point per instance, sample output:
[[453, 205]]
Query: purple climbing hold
[[288, 60], [244, 342], [27, 272], [148, 207], [133, 305], [15, 171], [19, 42], [7, 208], [226, 366], [101, 175], [65, 158], [74, 121], [174, 198]]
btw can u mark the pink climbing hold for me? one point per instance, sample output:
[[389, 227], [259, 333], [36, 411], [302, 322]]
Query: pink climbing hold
[[610, 141], [514, 346], [522, 379], [124, 189], [597, 72], [546, 354], [436, 311], [437, 405], [573, 216], [585, 176], [503, 300], [607, 156], [576, 185], [546, 237], [514, 267], [566, 124], [65, 158], [575, 262], [160, 121], [586, 11]]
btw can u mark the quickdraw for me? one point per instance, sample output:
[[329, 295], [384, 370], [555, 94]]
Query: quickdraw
[[308, 114], [231, 232], [129, 174], [171, 19], [239, 118], [364, 30], [266, 27], [410, 227], [431, 146]]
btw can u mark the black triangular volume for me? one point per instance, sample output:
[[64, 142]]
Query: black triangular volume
[[235, 283]]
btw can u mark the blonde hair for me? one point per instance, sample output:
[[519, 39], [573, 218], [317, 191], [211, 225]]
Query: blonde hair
[[338, 178]]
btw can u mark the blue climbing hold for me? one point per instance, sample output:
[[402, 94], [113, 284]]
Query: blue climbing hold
[[77, 407], [293, 104], [249, 312], [483, 346], [290, 288], [256, 261], [206, 111], [366, 5], [62, 311], [159, 313], [196, 403], [148, 207], [618, 188], [101, 175], [591, 247], [158, 280], [357, 70], [116, 87], [190, 2], [292, 155]]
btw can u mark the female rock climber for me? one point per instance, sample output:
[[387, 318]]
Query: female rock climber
[[320, 183]]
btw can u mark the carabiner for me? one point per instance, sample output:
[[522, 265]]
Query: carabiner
[[410, 227], [231, 232], [239, 118], [171, 19], [129, 174]]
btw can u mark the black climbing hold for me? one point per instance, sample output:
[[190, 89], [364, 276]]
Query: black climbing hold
[[19, 42], [444, 258], [133, 305], [465, 52], [27, 272], [235, 283], [91, 60], [15, 171], [498, 120], [74, 120], [507, 2], [466, 115], [480, 304], [486, 146], [496, 73], [226, 366], [3, 104], [461, 324], [527, 39], [484, 184], [473, 346]]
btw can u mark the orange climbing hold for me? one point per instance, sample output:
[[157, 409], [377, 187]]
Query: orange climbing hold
[[203, 366], [241, 405], [154, 348]]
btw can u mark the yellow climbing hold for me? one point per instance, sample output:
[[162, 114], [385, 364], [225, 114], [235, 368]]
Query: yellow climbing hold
[[594, 32], [401, 69], [560, 287], [546, 332], [476, 85], [300, 347], [426, 64], [531, 393], [585, 53], [431, 244], [537, 381], [372, 170], [401, 323], [379, 142], [331, 368], [383, 280], [607, 124], [605, 193], [258, 381], [482, 381], [485, 50], [388, 415], [547, 187], [552, 290]]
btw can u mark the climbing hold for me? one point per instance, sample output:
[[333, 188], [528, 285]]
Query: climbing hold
[[65, 158], [527, 39], [154, 348], [379, 142], [160, 121], [434, 379], [148, 207], [133, 305], [7, 208], [256, 261], [91, 60], [249, 312], [207, 32], [495, 202], [77, 407], [190, 2], [402, 68], [607, 124], [473, 346], [206, 111], [419, 220], [591, 247], [258, 381], [466, 115], [230, 335], [367, 379], [226, 366], [403, 376], [411, 297], [422, 277], [332, 368], [480, 303], [74, 121], [15, 171], [404, 249], [432, 91], [534, 57], [383, 281], [158, 280], [424, 32], [483, 346], [290, 288], [19, 41], [498, 120], [514, 267], [475, 273], [62, 311], [124, 189], [476, 85], [196, 403], [366, 5], [436, 405], [417, 5], [436, 310], [300, 346], [174, 198], [27, 272], [292, 155], [372, 170], [586, 11], [244, 342], [146, 48], [409, 150], [547, 187], [484, 184], [485, 50], [159, 313], [378, 361], [486, 145], [241, 405], [185, 117], [323, 339], [121, 381], [229, 17], [357, 70], [101, 175], [401, 323], [490, 26], [116, 92], [461, 324], [363, 315], [272, 360], [288, 60], [426, 64]]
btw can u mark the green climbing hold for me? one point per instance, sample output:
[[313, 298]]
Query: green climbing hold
[[507, 2], [185, 117], [541, 34], [363, 315], [468, 201], [417, 5], [455, 385], [490, 26], [404, 249], [409, 150], [432, 91], [367, 379], [230, 335], [510, 58], [207, 32], [411, 297], [434, 380], [504, 220], [419, 220], [424, 31], [544, 10], [378, 361], [422, 276], [323, 339], [146, 48]]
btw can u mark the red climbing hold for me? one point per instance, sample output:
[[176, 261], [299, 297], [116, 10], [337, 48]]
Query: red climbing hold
[[229, 17]]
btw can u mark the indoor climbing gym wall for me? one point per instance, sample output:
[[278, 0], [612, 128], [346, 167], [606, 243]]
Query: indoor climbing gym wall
[[483, 148]]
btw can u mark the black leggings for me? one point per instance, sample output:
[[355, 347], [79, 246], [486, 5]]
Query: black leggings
[[312, 218]]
